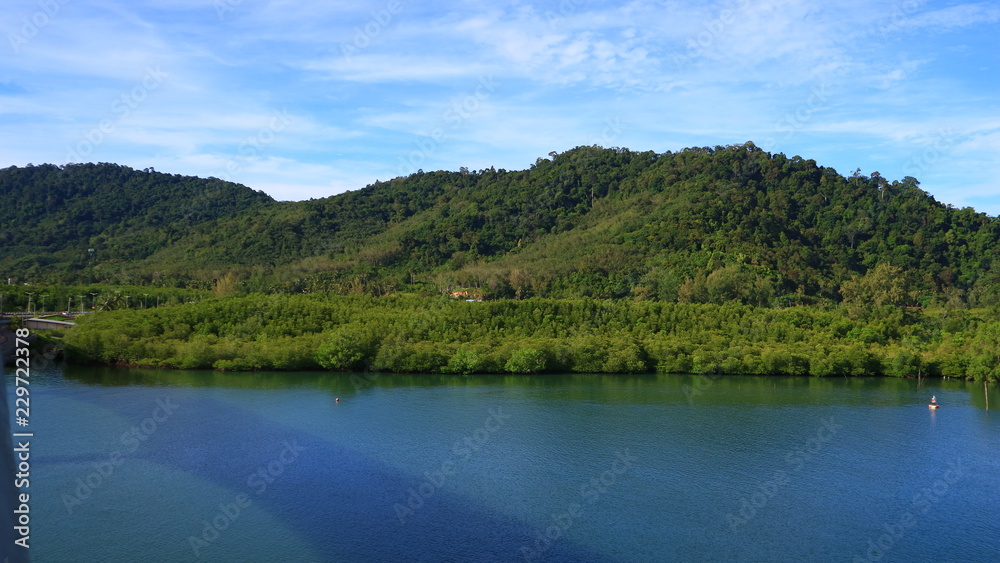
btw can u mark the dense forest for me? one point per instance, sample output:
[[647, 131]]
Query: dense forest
[[708, 260], [77, 222], [440, 335], [702, 225]]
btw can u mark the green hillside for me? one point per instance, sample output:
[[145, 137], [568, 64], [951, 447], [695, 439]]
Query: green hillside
[[719, 224], [53, 216]]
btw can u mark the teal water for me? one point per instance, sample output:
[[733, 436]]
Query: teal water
[[137, 465]]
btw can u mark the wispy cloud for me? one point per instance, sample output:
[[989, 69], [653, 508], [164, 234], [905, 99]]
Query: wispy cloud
[[912, 19]]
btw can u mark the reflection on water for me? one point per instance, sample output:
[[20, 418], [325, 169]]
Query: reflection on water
[[775, 390]]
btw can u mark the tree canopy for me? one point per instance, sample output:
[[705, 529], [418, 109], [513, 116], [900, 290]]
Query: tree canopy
[[702, 225]]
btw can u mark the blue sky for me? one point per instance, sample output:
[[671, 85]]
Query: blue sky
[[304, 100]]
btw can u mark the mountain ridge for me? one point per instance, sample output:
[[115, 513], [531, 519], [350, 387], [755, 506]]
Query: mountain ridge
[[702, 224]]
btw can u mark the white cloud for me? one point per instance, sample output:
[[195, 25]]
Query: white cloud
[[372, 67]]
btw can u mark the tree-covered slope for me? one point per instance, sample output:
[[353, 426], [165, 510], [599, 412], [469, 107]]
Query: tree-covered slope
[[699, 225], [760, 218], [52, 215]]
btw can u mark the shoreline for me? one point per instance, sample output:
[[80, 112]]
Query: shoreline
[[319, 370]]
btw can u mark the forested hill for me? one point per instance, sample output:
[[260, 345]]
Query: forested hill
[[730, 223], [52, 215]]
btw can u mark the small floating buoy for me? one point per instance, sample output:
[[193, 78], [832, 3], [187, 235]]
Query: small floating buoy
[[337, 399]]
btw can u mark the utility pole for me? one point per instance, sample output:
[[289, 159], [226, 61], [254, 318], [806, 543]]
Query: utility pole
[[29, 294]]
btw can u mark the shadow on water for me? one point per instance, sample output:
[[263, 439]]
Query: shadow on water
[[340, 501]]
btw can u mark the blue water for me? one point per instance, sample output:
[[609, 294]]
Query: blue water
[[133, 465]]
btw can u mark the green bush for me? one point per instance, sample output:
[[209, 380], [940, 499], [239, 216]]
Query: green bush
[[526, 360], [465, 361]]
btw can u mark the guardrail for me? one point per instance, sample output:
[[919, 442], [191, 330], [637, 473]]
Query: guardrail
[[25, 315]]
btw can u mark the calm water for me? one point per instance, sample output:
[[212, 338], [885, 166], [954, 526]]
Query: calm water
[[133, 465]]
